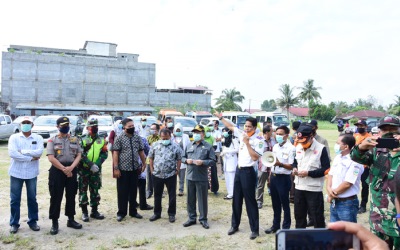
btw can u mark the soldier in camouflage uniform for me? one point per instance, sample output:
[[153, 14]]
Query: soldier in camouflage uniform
[[384, 163], [94, 154]]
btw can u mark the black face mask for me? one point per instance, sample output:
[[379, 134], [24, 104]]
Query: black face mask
[[361, 130], [95, 130], [130, 130]]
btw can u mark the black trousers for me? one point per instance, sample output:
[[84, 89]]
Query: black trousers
[[364, 188], [58, 181], [280, 188], [142, 193], [127, 192], [244, 187], [159, 183], [309, 201]]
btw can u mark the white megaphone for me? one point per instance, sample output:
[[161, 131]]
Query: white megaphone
[[268, 159]]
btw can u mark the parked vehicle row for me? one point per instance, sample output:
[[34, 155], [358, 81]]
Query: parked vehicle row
[[46, 125], [7, 128]]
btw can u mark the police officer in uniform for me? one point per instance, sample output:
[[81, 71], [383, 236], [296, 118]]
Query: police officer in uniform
[[64, 154], [93, 156]]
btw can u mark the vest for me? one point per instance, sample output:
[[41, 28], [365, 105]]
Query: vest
[[94, 152], [309, 160]]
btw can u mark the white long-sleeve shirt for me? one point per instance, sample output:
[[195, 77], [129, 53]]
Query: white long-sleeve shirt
[[22, 149]]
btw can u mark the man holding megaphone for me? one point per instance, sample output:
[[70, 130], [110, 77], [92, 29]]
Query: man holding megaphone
[[280, 185]]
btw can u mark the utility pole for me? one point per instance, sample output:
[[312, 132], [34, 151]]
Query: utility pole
[[249, 104]]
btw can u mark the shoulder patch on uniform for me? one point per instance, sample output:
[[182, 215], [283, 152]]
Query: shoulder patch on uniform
[[356, 171], [261, 144], [50, 140], [72, 139]]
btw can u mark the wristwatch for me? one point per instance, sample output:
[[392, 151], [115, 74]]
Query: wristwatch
[[116, 168]]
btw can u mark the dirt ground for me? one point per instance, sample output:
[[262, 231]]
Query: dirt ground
[[131, 232]]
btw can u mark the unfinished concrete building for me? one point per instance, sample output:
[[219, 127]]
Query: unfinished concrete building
[[37, 80]]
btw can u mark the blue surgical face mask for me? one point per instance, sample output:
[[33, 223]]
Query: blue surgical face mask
[[196, 137], [279, 139], [120, 126], [225, 134], [208, 134], [144, 123], [152, 132], [337, 149], [170, 124], [178, 134], [26, 127], [166, 142], [64, 130]]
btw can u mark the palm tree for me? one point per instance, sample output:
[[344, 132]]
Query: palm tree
[[397, 101], [229, 100], [287, 99], [309, 92]]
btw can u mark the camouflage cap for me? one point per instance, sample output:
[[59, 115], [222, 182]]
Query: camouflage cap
[[92, 122]]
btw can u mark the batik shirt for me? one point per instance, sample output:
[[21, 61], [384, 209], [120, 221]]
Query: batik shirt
[[165, 159], [128, 148]]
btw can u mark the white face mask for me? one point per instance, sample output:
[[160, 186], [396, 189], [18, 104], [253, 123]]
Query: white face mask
[[279, 139], [337, 149]]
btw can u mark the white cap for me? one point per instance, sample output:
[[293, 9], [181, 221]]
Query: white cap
[[375, 130], [27, 118]]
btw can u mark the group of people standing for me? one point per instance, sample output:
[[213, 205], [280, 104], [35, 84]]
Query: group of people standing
[[76, 164]]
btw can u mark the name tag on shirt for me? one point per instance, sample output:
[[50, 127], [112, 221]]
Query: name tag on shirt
[[34, 142]]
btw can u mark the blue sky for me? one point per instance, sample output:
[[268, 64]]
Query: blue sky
[[350, 48]]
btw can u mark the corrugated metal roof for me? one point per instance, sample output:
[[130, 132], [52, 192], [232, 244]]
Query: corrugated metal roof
[[83, 107]]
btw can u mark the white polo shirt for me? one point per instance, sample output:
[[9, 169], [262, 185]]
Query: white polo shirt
[[244, 156], [285, 154], [344, 169]]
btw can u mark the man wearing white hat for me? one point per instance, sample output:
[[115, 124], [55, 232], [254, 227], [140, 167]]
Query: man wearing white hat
[[25, 150]]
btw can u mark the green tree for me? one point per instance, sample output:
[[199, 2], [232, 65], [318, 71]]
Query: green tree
[[397, 100], [287, 99], [309, 92], [321, 112], [229, 100], [395, 107], [268, 105]]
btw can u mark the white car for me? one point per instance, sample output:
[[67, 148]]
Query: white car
[[7, 128], [46, 126], [105, 124]]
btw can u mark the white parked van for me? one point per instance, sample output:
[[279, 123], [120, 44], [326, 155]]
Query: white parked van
[[198, 115], [237, 117], [275, 118]]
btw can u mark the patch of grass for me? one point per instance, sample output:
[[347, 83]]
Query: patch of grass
[[102, 247], [142, 242], [189, 242], [122, 242], [9, 239], [58, 240], [91, 237], [325, 125], [80, 234], [26, 243]]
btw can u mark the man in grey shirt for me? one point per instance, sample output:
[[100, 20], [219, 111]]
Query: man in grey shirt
[[198, 156]]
